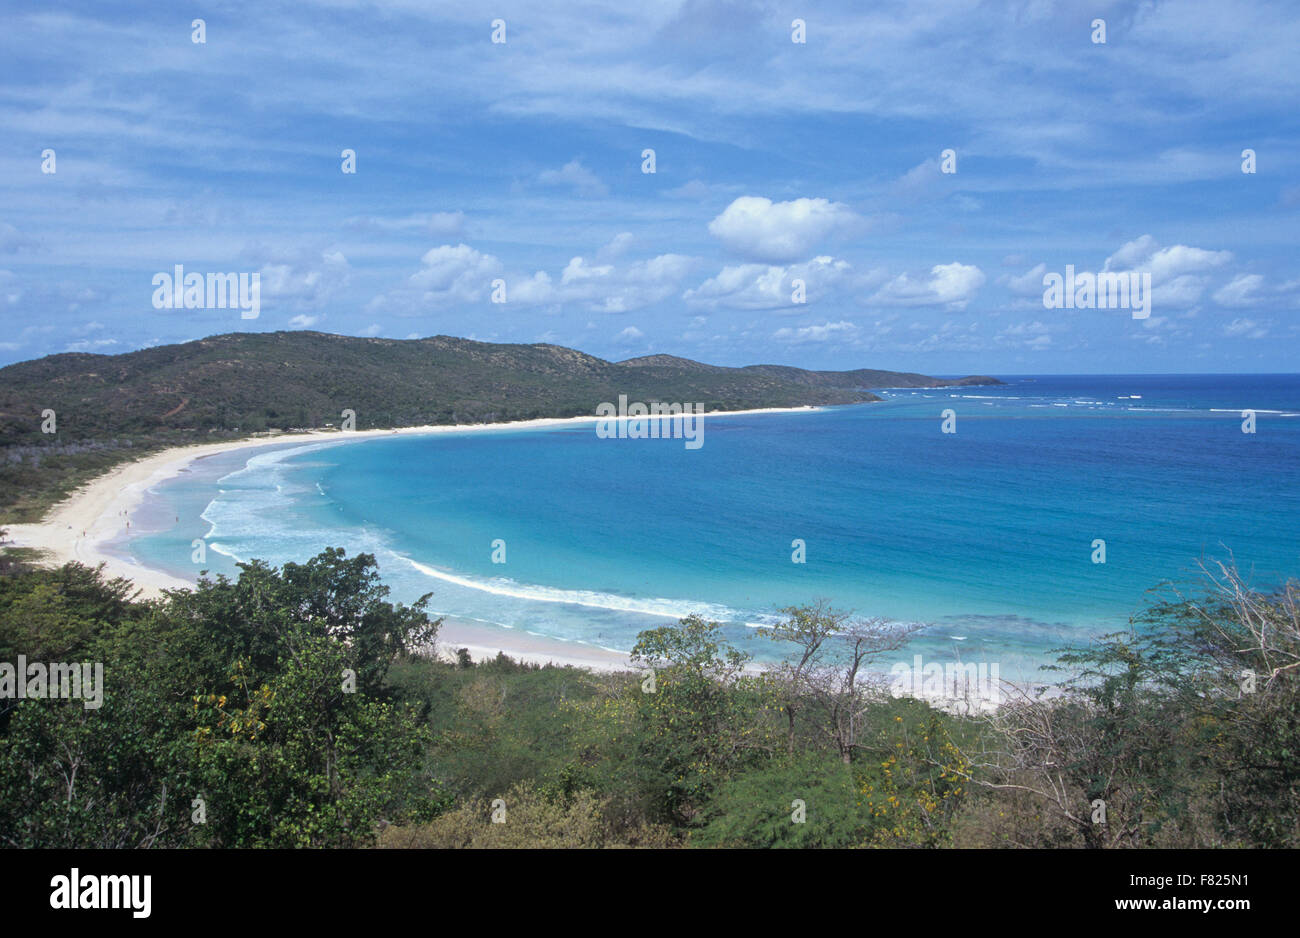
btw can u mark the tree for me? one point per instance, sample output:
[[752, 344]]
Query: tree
[[827, 674], [259, 700], [698, 713], [301, 761], [1184, 729], [267, 612]]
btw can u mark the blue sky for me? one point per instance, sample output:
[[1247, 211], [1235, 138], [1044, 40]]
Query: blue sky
[[522, 161]]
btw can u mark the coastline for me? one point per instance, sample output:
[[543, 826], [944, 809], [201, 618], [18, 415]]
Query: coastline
[[80, 527]]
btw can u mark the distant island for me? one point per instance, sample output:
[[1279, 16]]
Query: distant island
[[108, 408]]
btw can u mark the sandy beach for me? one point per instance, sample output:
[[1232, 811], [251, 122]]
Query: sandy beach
[[80, 527]]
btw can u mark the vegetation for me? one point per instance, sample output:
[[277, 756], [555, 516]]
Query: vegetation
[[109, 408], [299, 707]]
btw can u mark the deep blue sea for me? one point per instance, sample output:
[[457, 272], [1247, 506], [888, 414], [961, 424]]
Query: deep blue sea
[[986, 533]]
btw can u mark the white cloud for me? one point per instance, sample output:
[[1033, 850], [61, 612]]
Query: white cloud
[[762, 286], [1243, 290], [1177, 272], [455, 273], [951, 285], [532, 291], [777, 232], [304, 279], [1164, 264], [608, 288], [303, 322], [825, 332], [461, 274], [1178, 293]]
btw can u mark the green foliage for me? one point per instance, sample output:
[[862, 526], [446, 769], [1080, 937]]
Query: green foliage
[[702, 717], [912, 793], [110, 777], [757, 808], [526, 819], [299, 762], [236, 694], [263, 616], [298, 705], [1235, 677]]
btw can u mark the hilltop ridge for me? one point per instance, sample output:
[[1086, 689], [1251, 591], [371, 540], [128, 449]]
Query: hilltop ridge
[[249, 382]]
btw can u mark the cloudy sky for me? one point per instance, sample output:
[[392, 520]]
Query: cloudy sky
[[522, 161]]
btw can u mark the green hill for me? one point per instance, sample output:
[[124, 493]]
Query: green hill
[[110, 407]]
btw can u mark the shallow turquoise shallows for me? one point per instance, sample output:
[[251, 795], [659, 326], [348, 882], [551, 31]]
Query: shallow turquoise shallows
[[988, 533]]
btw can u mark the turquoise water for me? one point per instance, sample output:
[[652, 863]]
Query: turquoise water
[[986, 533]]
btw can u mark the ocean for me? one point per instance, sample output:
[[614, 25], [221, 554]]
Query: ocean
[[988, 534]]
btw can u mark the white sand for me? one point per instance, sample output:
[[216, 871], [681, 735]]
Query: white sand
[[78, 528]]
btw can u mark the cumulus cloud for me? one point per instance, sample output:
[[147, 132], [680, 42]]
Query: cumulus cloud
[[1180, 260], [532, 291], [1165, 264], [608, 288], [304, 279], [778, 232], [303, 322], [1178, 273], [950, 285], [763, 286], [455, 273], [462, 274]]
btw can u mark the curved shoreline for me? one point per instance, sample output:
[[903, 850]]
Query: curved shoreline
[[98, 513]]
